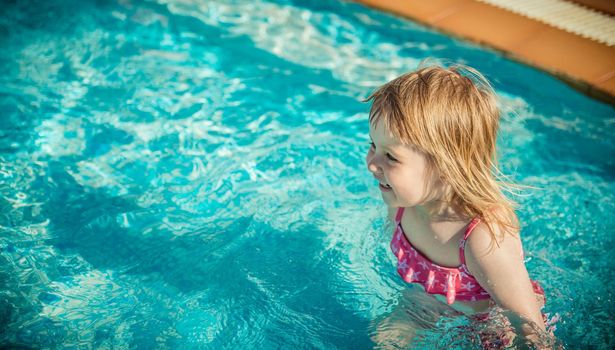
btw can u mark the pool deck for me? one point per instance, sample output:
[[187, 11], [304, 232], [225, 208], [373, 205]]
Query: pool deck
[[573, 41]]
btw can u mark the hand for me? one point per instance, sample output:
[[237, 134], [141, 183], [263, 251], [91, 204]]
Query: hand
[[504, 328]]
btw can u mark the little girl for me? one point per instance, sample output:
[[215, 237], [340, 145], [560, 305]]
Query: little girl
[[433, 146]]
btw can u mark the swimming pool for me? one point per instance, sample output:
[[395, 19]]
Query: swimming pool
[[180, 174]]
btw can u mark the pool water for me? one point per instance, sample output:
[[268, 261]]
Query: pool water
[[190, 174]]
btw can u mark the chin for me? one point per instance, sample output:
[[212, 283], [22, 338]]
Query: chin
[[391, 201], [396, 203]]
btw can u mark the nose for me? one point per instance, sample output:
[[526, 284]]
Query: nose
[[372, 163]]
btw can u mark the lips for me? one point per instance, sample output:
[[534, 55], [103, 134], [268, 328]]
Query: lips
[[384, 186]]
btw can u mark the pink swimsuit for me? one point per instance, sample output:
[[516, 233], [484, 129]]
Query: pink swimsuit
[[452, 282]]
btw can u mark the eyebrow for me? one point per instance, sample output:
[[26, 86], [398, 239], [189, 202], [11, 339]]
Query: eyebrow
[[388, 148]]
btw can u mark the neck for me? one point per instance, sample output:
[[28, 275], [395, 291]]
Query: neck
[[441, 207], [439, 211], [436, 220]]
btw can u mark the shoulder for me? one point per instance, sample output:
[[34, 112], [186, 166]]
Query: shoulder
[[484, 252], [497, 264]]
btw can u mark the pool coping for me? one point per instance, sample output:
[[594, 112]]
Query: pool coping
[[583, 63]]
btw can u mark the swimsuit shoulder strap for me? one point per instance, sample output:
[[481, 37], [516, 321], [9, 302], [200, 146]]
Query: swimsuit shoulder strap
[[400, 213], [462, 243]]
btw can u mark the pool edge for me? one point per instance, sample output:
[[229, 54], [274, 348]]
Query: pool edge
[[584, 64]]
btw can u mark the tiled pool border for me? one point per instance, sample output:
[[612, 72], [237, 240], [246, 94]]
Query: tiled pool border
[[585, 64]]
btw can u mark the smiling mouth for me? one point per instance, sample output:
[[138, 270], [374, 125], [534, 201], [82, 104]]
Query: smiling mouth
[[384, 187]]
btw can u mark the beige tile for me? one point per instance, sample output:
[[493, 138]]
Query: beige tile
[[579, 57], [608, 85], [424, 11], [491, 25], [565, 54]]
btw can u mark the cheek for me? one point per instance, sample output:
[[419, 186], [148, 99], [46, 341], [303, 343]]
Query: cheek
[[410, 181], [403, 181]]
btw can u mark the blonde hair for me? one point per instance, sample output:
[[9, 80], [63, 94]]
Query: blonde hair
[[451, 114]]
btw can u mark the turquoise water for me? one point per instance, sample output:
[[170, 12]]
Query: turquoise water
[[182, 174]]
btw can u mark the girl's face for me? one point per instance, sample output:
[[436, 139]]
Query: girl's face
[[401, 170]]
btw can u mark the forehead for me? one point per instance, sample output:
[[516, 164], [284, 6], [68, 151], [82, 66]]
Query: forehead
[[382, 136], [380, 132]]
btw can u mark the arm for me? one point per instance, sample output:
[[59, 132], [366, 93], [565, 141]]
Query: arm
[[500, 270]]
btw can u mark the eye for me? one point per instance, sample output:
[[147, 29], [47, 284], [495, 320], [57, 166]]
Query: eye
[[372, 145], [391, 158]]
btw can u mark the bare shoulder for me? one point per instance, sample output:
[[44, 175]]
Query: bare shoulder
[[483, 248], [497, 264]]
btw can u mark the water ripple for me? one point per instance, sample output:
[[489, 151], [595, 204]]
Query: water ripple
[[177, 174]]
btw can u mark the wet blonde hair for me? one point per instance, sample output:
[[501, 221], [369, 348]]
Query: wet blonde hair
[[451, 114]]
